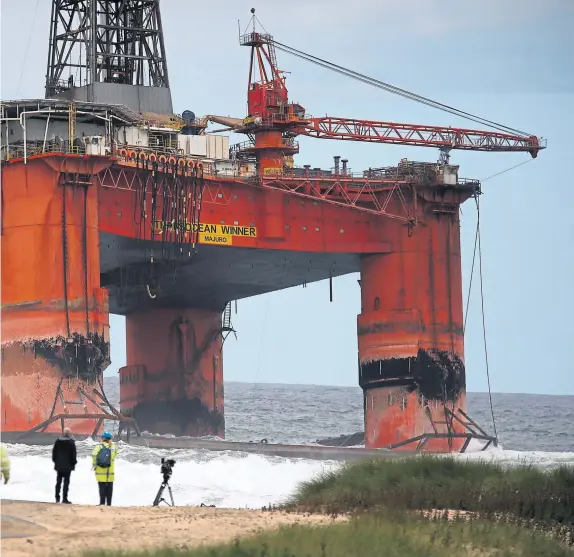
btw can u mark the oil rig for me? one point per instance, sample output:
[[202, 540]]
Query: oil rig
[[113, 203]]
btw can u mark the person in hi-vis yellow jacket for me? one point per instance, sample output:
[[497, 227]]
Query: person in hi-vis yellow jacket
[[103, 462], [4, 464]]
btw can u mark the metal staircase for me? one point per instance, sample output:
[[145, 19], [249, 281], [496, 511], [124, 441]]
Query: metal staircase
[[226, 326], [226, 318]]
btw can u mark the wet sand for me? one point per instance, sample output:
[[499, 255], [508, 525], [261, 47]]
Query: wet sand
[[70, 529]]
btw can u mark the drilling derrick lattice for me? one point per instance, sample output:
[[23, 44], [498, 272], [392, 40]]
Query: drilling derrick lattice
[[108, 51]]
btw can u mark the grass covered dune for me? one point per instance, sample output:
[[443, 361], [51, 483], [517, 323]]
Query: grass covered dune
[[506, 511], [382, 535], [429, 482]]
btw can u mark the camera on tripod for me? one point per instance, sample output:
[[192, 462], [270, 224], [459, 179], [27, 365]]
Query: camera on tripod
[[166, 470]]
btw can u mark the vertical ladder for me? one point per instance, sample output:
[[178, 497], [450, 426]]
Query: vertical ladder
[[196, 211], [71, 126], [273, 59], [226, 324]]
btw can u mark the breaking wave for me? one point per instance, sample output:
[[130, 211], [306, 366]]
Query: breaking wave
[[224, 479]]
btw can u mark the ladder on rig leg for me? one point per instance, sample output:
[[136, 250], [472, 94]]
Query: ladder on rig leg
[[226, 321], [226, 326]]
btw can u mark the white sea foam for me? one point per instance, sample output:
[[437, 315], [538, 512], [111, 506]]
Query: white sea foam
[[225, 479], [539, 459]]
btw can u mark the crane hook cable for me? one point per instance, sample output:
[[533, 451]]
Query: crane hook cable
[[396, 90]]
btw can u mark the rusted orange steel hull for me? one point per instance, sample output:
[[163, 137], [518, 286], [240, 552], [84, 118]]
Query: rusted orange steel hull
[[54, 313], [173, 380], [410, 331], [74, 228]]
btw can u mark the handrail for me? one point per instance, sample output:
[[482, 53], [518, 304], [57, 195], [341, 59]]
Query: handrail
[[172, 160], [37, 148], [288, 142]]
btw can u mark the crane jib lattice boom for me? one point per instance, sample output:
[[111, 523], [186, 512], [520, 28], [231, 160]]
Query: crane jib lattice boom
[[418, 135], [269, 109]]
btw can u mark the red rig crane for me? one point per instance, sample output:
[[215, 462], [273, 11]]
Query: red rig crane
[[410, 329], [273, 121]]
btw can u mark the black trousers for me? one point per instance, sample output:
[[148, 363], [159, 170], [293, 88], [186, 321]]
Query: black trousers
[[106, 491], [66, 477]]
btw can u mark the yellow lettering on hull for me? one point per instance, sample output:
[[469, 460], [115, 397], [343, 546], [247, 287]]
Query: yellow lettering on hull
[[220, 240], [272, 170], [217, 234]]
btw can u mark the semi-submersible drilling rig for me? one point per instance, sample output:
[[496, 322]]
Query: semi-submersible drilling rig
[[113, 203]]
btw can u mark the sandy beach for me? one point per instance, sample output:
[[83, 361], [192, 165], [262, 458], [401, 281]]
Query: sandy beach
[[52, 529]]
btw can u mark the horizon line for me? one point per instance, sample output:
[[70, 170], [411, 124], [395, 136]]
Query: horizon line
[[358, 388]]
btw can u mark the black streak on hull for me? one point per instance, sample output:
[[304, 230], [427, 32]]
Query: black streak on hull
[[79, 356], [434, 374], [179, 417]]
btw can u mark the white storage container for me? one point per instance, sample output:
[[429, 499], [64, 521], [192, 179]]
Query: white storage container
[[217, 147], [197, 145]]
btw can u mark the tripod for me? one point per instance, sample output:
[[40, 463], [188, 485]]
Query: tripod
[[158, 498]]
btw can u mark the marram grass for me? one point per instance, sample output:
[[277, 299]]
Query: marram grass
[[517, 511], [383, 534], [431, 482]]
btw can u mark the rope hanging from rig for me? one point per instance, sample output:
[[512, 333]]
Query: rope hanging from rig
[[164, 213], [140, 200], [483, 318], [478, 247], [177, 183], [180, 188]]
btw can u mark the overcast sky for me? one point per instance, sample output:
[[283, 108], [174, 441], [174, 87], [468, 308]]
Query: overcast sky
[[509, 61]]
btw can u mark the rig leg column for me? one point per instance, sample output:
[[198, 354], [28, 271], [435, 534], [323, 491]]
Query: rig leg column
[[173, 380], [54, 313], [411, 346]]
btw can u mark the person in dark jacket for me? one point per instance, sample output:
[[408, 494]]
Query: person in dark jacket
[[64, 458]]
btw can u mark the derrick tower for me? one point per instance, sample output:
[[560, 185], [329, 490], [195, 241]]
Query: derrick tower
[[109, 51]]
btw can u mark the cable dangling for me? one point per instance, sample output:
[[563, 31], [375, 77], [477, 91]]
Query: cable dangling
[[483, 318]]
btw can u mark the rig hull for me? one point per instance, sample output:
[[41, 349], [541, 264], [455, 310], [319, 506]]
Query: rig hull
[[173, 275], [411, 344], [173, 380], [33, 389], [55, 343]]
